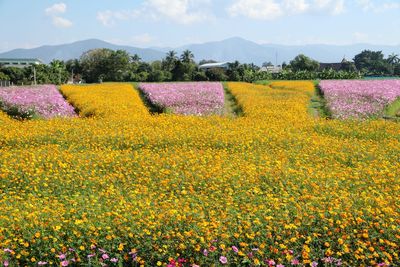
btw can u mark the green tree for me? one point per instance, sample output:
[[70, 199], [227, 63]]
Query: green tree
[[170, 60], [216, 74], [372, 63], [4, 77], [304, 63], [187, 56]]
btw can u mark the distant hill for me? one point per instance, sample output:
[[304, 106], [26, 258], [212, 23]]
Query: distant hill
[[74, 50], [226, 50]]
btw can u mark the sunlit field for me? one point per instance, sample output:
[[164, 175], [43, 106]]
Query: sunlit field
[[120, 186]]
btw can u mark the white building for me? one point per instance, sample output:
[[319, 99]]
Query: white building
[[271, 69], [19, 62], [218, 65]]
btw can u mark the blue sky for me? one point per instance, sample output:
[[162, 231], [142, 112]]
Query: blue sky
[[147, 23]]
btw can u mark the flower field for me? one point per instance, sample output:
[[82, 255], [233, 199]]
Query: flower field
[[274, 187], [359, 99], [40, 101], [189, 98]]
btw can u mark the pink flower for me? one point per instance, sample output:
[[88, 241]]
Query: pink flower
[[314, 264], [91, 255], [8, 250], [64, 263], [270, 262], [6, 263], [235, 249], [61, 256], [195, 265], [205, 252], [105, 256], [295, 262], [223, 260], [280, 265], [114, 260], [40, 263]]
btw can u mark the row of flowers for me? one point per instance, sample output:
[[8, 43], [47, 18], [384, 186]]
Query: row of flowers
[[359, 99], [187, 98], [43, 101]]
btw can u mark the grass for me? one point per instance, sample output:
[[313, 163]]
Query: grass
[[231, 106], [154, 109], [392, 112], [318, 106]]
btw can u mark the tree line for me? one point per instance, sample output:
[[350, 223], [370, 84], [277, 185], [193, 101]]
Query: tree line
[[105, 65]]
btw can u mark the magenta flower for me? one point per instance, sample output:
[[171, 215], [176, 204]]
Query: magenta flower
[[64, 263], [235, 249], [45, 101], [205, 252], [199, 98], [105, 256], [223, 260], [270, 262], [359, 99], [114, 260], [295, 262]]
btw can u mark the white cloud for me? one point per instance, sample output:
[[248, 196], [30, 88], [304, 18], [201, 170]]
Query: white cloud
[[108, 17], [179, 11], [54, 12], [61, 22], [273, 9], [256, 9], [55, 9], [378, 6]]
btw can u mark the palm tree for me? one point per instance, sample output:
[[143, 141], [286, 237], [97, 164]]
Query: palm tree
[[136, 58], [170, 60], [187, 56], [393, 59]]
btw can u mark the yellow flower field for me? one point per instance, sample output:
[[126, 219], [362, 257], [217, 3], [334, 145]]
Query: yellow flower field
[[274, 187]]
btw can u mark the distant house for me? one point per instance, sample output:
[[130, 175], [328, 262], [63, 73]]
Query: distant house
[[218, 65], [19, 62], [271, 69], [334, 66]]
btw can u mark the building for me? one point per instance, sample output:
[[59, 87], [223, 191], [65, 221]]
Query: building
[[327, 66], [218, 65], [334, 66], [271, 69], [19, 62]]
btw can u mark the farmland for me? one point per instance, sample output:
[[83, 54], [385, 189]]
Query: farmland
[[273, 187]]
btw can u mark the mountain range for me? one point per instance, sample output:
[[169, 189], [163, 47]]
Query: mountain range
[[226, 50]]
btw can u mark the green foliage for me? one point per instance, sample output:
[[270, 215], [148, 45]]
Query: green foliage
[[4, 77], [326, 74], [105, 65], [373, 63], [216, 74], [304, 63]]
